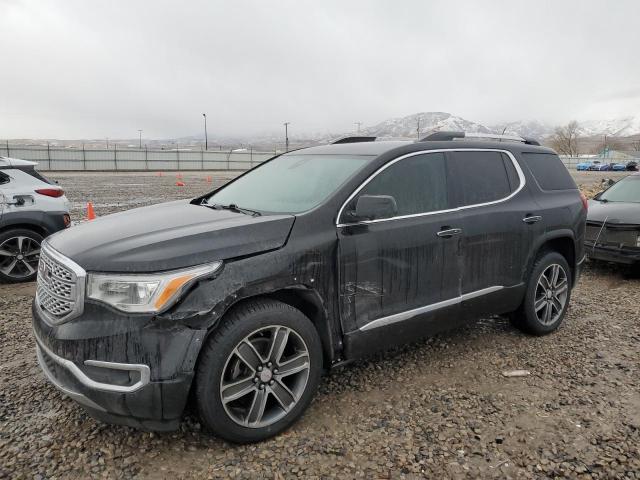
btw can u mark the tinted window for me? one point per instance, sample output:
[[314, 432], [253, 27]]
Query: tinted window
[[549, 171], [481, 177], [418, 184], [512, 174]]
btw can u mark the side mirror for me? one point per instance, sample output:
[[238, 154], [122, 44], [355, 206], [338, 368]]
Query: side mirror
[[372, 207]]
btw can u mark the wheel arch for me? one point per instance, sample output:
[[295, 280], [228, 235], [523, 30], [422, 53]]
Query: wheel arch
[[561, 241], [39, 229], [307, 301]]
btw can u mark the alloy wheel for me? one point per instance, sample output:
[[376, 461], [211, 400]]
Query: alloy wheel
[[551, 294], [265, 376], [19, 257]]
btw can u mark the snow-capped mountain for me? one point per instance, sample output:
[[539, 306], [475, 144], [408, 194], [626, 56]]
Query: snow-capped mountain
[[408, 126], [532, 128], [619, 127]]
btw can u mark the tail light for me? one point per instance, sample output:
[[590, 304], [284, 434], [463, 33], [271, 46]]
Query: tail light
[[585, 202], [51, 192]]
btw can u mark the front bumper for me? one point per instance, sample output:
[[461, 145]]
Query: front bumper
[[129, 371], [625, 255]]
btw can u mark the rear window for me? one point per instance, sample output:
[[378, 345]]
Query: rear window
[[483, 177], [34, 173], [549, 171]]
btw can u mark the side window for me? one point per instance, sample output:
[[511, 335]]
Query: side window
[[483, 177], [4, 178], [549, 171], [418, 184], [512, 174]]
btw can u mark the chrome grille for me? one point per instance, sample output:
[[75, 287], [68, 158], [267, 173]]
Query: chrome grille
[[60, 286]]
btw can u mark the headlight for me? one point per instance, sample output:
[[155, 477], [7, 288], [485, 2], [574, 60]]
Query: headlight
[[151, 292]]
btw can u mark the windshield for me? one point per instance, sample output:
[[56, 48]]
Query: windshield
[[291, 183], [626, 190]]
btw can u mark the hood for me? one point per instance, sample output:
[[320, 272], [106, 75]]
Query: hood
[[614, 212], [169, 236]]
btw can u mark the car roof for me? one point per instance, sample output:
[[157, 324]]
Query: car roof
[[380, 147], [15, 162]]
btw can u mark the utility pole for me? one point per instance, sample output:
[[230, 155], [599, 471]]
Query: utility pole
[[206, 139], [286, 135], [358, 124], [140, 139]]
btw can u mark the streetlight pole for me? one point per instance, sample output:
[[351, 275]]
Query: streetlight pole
[[286, 135], [140, 139], [206, 138]]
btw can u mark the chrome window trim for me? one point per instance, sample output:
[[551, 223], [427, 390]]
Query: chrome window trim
[[408, 314], [145, 372], [79, 272], [516, 165]]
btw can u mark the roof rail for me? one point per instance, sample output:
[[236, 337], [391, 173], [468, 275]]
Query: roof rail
[[354, 139], [448, 136]]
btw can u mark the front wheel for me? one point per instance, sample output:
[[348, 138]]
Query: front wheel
[[547, 296], [258, 372]]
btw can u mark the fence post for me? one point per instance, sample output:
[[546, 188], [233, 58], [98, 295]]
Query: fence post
[[228, 163], [84, 159], [250, 158], [201, 158], [8, 154], [146, 157], [48, 155], [178, 155], [115, 156]]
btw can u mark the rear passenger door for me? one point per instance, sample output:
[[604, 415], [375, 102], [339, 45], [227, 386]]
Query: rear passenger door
[[495, 240]]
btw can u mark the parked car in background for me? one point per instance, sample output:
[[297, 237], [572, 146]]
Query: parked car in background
[[317, 257], [584, 165], [618, 167], [613, 223], [31, 208], [632, 166], [598, 166]]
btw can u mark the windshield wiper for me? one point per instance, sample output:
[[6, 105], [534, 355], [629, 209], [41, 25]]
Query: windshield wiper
[[231, 207]]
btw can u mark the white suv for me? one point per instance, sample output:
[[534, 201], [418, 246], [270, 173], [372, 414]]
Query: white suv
[[31, 208]]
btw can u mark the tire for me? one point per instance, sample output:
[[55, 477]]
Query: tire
[[239, 361], [533, 316], [19, 255]]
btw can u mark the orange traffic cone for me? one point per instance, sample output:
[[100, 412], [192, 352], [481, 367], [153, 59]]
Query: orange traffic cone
[[179, 184], [91, 214]]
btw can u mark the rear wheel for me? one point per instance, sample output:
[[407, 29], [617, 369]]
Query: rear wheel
[[547, 296], [19, 255], [258, 372]]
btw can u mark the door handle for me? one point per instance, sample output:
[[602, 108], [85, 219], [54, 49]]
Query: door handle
[[532, 219], [450, 232]]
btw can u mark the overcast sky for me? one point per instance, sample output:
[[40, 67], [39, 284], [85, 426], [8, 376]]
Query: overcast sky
[[90, 69]]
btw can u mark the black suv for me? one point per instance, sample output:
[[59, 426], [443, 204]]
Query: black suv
[[315, 258]]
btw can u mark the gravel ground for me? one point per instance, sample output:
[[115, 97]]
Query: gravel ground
[[440, 408]]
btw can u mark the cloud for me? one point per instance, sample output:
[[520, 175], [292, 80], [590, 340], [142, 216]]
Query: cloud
[[77, 69]]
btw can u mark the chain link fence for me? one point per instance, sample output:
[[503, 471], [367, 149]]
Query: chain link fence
[[136, 159]]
